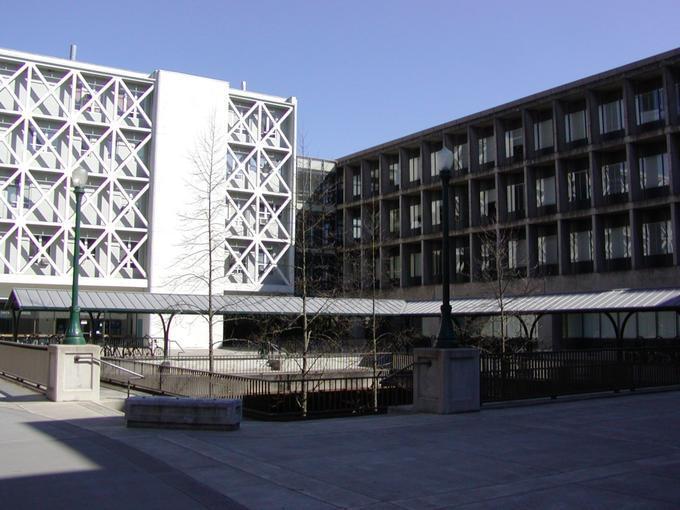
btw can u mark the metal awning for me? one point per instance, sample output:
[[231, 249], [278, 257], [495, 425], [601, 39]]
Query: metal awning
[[145, 302]]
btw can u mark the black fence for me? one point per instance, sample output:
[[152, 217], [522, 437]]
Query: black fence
[[551, 374], [273, 396]]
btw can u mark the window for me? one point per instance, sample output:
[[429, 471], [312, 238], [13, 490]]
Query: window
[[653, 171], [375, 180], [657, 238], [12, 195], [515, 197], [263, 216], [545, 191], [393, 267], [617, 242], [356, 185], [514, 143], [578, 185], [575, 126], [543, 134], [415, 217], [436, 212], [486, 149], [262, 262], [460, 156], [436, 261], [649, 106], [35, 140], [487, 203], [393, 172], [516, 253], [414, 168], [547, 249], [415, 265], [611, 116], [486, 256], [461, 260], [614, 178], [394, 221], [581, 246], [85, 98], [356, 228]]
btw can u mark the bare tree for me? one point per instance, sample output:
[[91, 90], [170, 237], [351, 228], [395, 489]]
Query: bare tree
[[201, 264], [505, 271]]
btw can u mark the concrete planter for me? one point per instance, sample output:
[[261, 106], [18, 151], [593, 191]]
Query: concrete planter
[[183, 413]]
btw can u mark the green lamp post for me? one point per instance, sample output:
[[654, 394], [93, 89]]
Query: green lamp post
[[74, 335], [446, 338]]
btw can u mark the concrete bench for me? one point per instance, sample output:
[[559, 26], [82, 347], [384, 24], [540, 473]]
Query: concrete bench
[[183, 412]]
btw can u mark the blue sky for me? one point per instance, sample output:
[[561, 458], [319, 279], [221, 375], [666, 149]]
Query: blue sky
[[364, 72]]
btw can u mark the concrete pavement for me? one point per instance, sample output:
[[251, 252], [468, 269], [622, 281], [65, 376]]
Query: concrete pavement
[[619, 452]]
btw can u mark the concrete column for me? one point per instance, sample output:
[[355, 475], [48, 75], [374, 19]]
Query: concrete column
[[425, 262], [633, 173], [473, 202], [528, 130], [669, 96], [403, 277], [499, 136], [563, 247], [425, 167], [501, 198], [635, 240], [403, 169], [675, 224], [561, 188], [593, 117], [532, 255], [595, 179], [529, 192], [673, 148], [473, 150], [629, 107], [598, 244], [559, 126]]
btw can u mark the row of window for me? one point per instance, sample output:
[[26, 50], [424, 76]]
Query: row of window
[[649, 108]]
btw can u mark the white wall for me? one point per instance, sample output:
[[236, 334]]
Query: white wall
[[184, 106]]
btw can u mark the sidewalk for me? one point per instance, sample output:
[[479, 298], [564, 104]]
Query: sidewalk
[[602, 453]]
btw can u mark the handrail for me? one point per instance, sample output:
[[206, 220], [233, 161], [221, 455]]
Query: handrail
[[131, 372], [406, 369]]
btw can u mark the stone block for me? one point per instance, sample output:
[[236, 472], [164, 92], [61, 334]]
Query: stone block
[[446, 381], [183, 413], [73, 372]]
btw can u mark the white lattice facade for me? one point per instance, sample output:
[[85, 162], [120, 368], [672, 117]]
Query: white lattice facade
[[54, 118], [260, 170]]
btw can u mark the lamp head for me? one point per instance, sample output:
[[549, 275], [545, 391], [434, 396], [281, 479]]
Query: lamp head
[[444, 159], [79, 177]]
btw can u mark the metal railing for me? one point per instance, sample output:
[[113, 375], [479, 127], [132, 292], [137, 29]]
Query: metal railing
[[249, 363], [551, 374], [276, 395]]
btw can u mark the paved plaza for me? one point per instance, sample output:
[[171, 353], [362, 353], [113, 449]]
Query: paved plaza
[[621, 452]]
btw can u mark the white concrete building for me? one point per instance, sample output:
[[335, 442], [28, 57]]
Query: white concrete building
[[135, 133]]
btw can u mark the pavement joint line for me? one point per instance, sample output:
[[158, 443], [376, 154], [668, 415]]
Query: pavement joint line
[[268, 480]]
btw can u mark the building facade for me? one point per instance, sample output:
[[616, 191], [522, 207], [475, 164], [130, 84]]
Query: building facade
[[576, 187], [137, 136]]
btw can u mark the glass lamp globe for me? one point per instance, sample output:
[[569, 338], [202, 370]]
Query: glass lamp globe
[[79, 177], [444, 159]]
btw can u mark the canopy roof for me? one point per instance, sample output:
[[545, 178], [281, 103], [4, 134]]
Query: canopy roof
[[146, 302]]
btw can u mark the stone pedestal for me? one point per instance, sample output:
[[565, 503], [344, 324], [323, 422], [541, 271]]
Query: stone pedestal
[[446, 381], [73, 372], [184, 413]]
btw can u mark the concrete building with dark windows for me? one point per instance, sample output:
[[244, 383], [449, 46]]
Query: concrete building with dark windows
[[576, 187]]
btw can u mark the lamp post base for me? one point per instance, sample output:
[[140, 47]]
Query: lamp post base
[[446, 381]]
